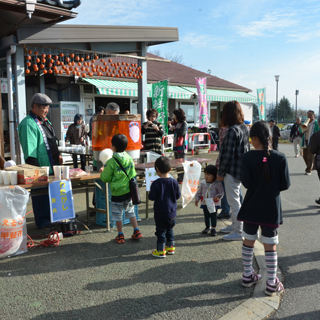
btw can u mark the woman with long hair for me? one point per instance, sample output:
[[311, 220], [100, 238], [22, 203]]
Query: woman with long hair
[[180, 130], [77, 134], [235, 144]]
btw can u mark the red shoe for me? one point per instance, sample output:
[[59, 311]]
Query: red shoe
[[136, 235], [119, 238]]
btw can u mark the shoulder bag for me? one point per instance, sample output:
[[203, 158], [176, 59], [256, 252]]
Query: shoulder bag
[[133, 185]]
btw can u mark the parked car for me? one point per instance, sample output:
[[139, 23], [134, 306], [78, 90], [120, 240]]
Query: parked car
[[285, 131]]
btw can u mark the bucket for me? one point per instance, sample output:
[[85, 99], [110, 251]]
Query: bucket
[[213, 147]]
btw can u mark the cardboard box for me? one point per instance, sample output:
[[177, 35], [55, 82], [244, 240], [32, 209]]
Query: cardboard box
[[28, 174]]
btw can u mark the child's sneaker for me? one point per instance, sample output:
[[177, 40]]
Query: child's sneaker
[[213, 232], [136, 235], [206, 231], [170, 250], [273, 289], [159, 254], [251, 280], [119, 238]]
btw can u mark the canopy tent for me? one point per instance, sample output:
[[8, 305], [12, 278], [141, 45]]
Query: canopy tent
[[130, 89]]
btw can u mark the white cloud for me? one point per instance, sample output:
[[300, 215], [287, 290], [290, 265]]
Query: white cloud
[[203, 40], [121, 12], [270, 23]]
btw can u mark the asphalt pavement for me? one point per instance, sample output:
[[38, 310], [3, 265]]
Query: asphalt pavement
[[299, 243], [89, 276]]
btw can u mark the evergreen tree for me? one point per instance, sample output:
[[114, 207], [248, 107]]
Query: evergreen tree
[[255, 112], [285, 111]]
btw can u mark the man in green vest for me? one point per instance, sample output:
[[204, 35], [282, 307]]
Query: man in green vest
[[39, 145], [37, 136]]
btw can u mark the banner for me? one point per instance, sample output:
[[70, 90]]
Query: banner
[[202, 98], [160, 102], [61, 201], [261, 93]]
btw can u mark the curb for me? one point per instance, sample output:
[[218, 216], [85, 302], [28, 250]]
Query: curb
[[259, 306]]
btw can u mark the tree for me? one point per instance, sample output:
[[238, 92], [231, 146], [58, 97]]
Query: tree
[[255, 112], [270, 111], [302, 113], [285, 111], [172, 56]]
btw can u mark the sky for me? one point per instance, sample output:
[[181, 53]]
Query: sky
[[243, 41]]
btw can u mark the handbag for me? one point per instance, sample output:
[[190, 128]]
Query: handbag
[[179, 141], [133, 185]]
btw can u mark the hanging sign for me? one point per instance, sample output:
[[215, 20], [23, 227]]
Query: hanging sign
[[202, 98], [61, 201], [160, 102]]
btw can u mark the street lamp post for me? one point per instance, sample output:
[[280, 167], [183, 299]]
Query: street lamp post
[[277, 80], [297, 92]]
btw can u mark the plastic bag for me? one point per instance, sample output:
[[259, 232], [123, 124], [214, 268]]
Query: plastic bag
[[210, 205], [13, 228], [152, 156], [192, 172], [76, 173]]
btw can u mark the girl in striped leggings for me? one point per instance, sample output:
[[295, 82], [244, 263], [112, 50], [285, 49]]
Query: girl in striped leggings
[[265, 174]]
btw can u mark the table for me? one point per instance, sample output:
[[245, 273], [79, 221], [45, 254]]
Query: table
[[84, 182], [87, 153], [175, 163]]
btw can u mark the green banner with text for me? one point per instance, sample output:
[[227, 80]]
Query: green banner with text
[[160, 102]]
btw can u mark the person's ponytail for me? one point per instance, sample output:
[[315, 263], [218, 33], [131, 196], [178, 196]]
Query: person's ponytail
[[266, 155]]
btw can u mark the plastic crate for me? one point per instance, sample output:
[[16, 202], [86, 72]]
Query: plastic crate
[[101, 204]]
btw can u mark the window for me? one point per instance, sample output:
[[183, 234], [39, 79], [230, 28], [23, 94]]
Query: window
[[188, 108]]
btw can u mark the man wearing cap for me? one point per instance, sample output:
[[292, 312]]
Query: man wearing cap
[[275, 134], [40, 148], [37, 136]]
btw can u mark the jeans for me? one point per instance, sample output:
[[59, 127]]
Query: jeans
[[209, 216], [232, 187], [82, 161], [164, 233], [224, 202]]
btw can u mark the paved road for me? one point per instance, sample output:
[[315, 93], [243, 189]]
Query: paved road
[[298, 250]]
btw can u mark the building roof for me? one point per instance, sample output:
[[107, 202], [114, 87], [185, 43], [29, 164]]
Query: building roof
[[81, 34], [179, 74]]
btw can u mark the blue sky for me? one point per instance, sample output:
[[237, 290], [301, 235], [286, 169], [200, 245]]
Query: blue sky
[[243, 41]]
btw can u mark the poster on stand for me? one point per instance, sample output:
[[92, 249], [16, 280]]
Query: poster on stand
[[202, 98], [160, 102], [61, 201]]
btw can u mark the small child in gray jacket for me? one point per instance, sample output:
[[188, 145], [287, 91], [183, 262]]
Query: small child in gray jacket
[[210, 188]]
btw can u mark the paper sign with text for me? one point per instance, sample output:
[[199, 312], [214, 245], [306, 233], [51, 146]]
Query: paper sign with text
[[151, 175], [61, 201]]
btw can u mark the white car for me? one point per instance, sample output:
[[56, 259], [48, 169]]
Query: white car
[[285, 131]]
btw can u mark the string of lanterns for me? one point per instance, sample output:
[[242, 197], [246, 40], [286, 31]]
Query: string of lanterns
[[82, 65]]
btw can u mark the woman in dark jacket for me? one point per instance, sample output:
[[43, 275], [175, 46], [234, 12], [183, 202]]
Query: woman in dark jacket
[[77, 134], [180, 131]]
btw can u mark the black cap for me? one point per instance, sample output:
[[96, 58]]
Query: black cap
[[41, 98], [273, 121]]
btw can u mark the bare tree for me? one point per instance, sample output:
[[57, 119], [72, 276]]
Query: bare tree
[[172, 56]]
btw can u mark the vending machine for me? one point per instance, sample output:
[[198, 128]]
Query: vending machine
[[61, 115]]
